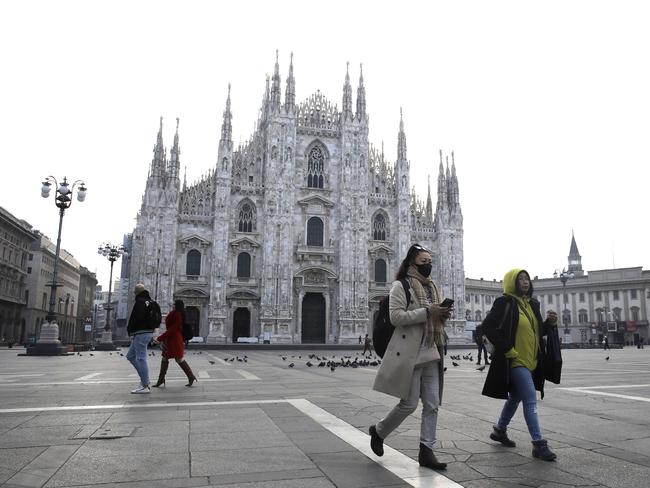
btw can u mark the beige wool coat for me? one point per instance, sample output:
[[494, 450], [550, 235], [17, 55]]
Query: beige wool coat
[[396, 370]]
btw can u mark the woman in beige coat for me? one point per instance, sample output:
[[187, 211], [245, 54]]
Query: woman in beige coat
[[412, 366]]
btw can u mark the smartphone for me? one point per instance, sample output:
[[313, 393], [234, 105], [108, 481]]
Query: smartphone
[[447, 303]]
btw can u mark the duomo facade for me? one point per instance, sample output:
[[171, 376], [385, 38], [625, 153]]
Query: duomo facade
[[295, 235]]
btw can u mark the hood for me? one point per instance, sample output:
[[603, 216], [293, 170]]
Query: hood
[[143, 295], [510, 282]]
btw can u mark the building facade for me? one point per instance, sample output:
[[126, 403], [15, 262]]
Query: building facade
[[39, 279], [16, 241], [297, 233], [592, 305], [85, 303]]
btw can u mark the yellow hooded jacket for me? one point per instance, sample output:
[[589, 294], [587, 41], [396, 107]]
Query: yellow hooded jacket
[[527, 339]]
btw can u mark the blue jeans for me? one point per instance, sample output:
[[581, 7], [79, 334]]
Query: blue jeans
[[137, 355], [522, 389]]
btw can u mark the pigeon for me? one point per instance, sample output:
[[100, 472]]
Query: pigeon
[[454, 363], [607, 358], [212, 362], [284, 358], [291, 365], [332, 368], [90, 354], [121, 354], [309, 365], [481, 368], [445, 368]]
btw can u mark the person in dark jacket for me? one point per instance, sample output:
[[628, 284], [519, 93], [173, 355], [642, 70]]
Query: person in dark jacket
[[480, 343], [515, 327], [173, 344], [141, 333]]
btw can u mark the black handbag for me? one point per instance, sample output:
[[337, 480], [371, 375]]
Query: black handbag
[[552, 357]]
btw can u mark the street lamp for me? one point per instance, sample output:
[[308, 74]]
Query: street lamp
[[112, 252], [48, 343], [564, 276]]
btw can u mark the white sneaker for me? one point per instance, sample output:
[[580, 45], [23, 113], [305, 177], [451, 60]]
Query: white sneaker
[[141, 389]]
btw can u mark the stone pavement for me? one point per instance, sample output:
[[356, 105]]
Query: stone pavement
[[71, 421]]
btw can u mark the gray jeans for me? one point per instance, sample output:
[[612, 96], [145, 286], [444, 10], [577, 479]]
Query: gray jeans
[[424, 385]]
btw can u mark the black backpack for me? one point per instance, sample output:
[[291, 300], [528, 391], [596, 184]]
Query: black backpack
[[382, 329], [153, 314]]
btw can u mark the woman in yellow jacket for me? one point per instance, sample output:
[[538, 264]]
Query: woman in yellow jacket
[[412, 365]]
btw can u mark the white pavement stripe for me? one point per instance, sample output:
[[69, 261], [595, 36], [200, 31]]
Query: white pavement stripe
[[604, 393], [203, 374], [19, 375], [88, 376], [606, 387], [393, 460], [247, 375], [111, 382]]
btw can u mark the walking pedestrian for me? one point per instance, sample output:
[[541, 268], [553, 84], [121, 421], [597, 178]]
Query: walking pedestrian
[[140, 329], [412, 366], [479, 338], [515, 326], [605, 344], [173, 344], [366, 346]]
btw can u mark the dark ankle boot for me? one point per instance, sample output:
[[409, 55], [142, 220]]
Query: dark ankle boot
[[427, 459], [376, 442], [502, 437], [164, 364], [541, 451], [188, 371]]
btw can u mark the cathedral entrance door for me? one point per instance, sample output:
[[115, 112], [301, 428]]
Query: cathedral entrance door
[[313, 319], [241, 324], [193, 317]]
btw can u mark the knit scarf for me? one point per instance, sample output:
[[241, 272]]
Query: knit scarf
[[427, 293]]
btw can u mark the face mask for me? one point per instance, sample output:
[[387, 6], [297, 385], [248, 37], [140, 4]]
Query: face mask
[[424, 269]]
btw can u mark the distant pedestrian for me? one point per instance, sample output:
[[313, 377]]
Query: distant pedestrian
[[140, 329], [173, 344], [479, 338], [359, 339], [366, 346], [515, 326], [412, 367], [605, 344]]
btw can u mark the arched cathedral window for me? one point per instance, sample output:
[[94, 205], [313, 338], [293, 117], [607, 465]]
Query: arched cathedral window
[[315, 232], [193, 265], [315, 167], [243, 265], [246, 218], [379, 228], [380, 271]]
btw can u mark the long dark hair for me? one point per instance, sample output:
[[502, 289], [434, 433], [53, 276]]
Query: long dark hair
[[180, 307], [413, 251]]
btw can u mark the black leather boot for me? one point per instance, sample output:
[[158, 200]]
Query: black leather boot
[[376, 442], [541, 451], [164, 364], [427, 459], [188, 372], [502, 437]]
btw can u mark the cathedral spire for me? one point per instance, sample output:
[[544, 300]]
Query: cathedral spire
[[361, 98], [184, 178], [429, 204], [290, 92], [347, 95], [453, 184], [275, 89], [158, 163], [401, 139], [226, 126], [442, 187], [174, 160]]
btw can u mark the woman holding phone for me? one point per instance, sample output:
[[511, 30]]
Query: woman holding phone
[[412, 366]]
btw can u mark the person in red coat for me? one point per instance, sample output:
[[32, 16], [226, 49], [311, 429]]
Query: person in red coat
[[173, 345]]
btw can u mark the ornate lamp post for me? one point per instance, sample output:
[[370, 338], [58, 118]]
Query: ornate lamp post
[[48, 343], [112, 253], [564, 276]]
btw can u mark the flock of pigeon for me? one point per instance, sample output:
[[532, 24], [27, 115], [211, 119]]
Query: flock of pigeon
[[333, 363]]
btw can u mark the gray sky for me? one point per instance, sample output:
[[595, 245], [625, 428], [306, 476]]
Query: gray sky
[[545, 104]]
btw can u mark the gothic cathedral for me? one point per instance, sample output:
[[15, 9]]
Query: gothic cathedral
[[295, 235]]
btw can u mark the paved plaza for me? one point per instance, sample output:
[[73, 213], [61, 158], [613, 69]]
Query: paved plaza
[[71, 421]]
